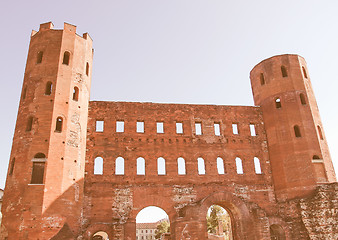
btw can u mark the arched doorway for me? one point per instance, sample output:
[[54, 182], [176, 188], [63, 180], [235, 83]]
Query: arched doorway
[[219, 224], [277, 232], [100, 236], [152, 223]]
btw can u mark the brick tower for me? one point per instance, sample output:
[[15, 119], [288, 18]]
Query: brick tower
[[44, 187], [299, 154]]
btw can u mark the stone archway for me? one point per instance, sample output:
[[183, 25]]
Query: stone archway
[[242, 222], [191, 224]]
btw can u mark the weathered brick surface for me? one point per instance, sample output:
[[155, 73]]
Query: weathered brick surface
[[74, 203]]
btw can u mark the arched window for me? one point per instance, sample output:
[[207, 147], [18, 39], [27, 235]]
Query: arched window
[[87, 69], [66, 57], [24, 93], [201, 166], [119, 166], [100, 236], [297, 131], [262, 79], [161, 166], [277, 232], [76, 94], [141, 166], [58, 126], [98, 166], [284, 72], [220, 166], [38, 169], [11, 169], [257, 163], [302, 99], [239, 166], [39, 57], [49, 87], [181, 166], [40, 155], [315, 157], [29, 124], [304, 72], [320, 133], [278, 103]]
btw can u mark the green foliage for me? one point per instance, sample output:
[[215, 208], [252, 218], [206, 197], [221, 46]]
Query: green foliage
[[216, 215], [162, 227]]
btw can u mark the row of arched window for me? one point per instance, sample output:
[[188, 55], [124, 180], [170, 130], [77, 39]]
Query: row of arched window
[[284, 73], [65, 60], [181, 169]]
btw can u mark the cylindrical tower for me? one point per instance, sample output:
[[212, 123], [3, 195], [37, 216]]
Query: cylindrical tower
[[299, 154], [44, 187]]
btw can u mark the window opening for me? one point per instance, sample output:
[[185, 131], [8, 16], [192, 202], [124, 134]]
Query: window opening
[[302, 99], [99, 126], [315, 157], [179, 127], [140, 127], [217, 129], [11, 169], [87, 69], [24, 93], [98, 166], [49, 88], [252, 130], [39, 57], [304, 72], [100, 236], [141, 166], [262, 79], [284, 72], [66, 57], [257, 164], [277, 232], [38, 168], [119, 126], [161, 166], [320, 132], [220, 166], [152, 214], [198, 128], [58, 127], [76, 94], [29, 124], [239, 166], [201, 166], [278, 103], [39, 155], [119, 166], [159, 127], [235, 128], [181, 166], [297, 131], [219, 223]]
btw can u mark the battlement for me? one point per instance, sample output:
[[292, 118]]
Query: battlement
[[67, 27]]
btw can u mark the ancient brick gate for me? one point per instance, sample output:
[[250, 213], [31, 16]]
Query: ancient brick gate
[[79, 167]]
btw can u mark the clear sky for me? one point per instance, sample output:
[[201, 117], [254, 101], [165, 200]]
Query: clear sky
[[177, 51]]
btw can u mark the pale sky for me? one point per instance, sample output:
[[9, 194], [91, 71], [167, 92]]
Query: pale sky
[[177, 51]]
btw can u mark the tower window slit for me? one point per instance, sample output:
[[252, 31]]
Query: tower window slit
[[320, 133], [262, 79], [39, 57], [29, 124], [278, 103], [302, 99], [58, 127], [304, 72], [76, 94], [66, 57], [87, 69], [49, 87], [297, 131], [284, 71]]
